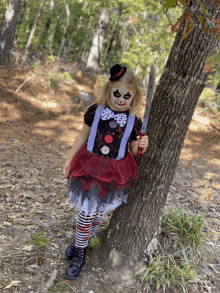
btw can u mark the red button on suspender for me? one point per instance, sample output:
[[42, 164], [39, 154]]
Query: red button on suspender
[[108, 138]]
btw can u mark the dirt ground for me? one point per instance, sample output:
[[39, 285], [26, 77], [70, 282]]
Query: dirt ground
[[39, 123]]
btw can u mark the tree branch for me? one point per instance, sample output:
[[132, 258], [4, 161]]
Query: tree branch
[[166, 13]]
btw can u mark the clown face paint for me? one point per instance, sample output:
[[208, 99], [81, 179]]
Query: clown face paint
[[121, 97]]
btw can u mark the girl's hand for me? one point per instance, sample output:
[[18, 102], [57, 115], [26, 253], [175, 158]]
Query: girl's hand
[[66, 169], [143, 142]]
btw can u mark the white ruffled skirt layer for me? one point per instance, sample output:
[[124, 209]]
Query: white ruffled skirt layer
[[89, 201]]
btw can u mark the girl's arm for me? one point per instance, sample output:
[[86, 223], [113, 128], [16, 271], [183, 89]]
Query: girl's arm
[[79, 142]]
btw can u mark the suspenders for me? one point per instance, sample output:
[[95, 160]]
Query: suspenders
[[94, 129], [125, 137]]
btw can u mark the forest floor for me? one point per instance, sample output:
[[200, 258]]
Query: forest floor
[[39, 123]]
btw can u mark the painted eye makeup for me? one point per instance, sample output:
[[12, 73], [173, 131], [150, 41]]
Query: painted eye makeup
[[127, 96], [117, 94]]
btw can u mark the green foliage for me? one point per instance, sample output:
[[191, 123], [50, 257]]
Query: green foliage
[[213, 62], [36, 67], [51, 58], [202, 7], [207, 94], [40, 241], [155, 43], [94, 243], [66, 75], [167, 271], [59, 288], [188, 226], [3, 8], [214, 67], [102, 80], [132, 39], [215, 76], [169, 3], [53, 79], [178, 267]]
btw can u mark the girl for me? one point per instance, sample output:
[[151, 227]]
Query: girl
[[99, 166]]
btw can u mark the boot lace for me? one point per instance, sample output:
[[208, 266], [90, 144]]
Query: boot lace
[[79, 258]]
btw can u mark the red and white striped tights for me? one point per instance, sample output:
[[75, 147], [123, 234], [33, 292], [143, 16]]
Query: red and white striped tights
[[86, 227]]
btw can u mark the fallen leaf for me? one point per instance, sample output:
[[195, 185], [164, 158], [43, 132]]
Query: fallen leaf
[[28, 247], [6, 224], [2, 209], [12, 284]]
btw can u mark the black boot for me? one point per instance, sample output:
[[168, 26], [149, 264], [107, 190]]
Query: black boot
[[70, 252], [77, 264]]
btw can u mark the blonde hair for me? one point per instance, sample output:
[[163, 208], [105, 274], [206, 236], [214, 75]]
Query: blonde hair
[[129, 80]]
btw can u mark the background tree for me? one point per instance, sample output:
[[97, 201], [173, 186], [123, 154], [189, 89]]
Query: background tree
[[135, 227], [66, 29], [98, 40], [48, 21], [114, 32], [22, 13], [34, 27], [124, 41], [8, 30], [120, 44]]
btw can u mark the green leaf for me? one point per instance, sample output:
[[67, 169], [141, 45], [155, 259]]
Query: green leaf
[[41, 241], [169, 3], [202, 7], [68, 76], [200, 18]]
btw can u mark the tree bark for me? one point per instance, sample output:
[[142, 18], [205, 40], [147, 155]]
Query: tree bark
[[135, 226], [98, 40], [52, 28], [46, 31], [21, 17], [66, 30], [34, 28], [8, 30]]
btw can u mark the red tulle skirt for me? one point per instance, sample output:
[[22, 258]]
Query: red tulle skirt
[[108, 174]]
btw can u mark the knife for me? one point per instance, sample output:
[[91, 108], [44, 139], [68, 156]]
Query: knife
[[150, 91]]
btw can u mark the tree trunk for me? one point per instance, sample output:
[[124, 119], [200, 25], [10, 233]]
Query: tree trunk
[[84, 54], [66, 30], [46, 31], [34, 28], [98, 40], [21, 17], [109, 44], [52, 29], [135, 226], [8, 30], [140, 44], [124, 42]]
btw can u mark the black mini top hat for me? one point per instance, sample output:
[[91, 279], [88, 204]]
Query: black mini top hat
[[116, 72]]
